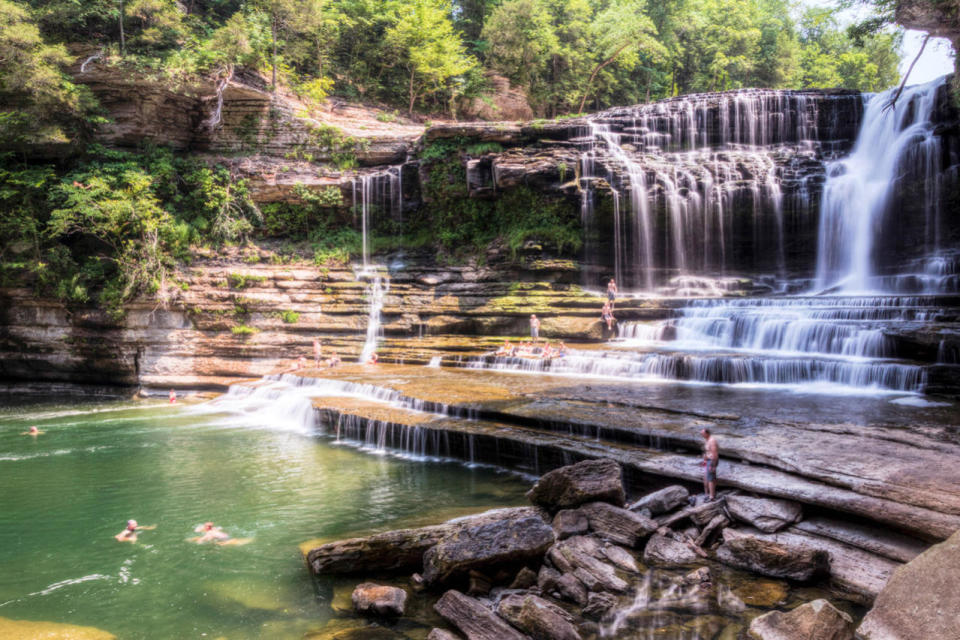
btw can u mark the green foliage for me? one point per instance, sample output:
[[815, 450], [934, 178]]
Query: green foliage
[[480, 148], [288, 316], [385, 116], [243, 281], [244, 331]]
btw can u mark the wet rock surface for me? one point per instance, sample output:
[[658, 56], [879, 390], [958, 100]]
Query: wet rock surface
[[571, 486], [473, 619], [379, 600], [666, 499], [764, 514], [921, 598], [770, 557], [664, 551], [817, 620], [537, 617]]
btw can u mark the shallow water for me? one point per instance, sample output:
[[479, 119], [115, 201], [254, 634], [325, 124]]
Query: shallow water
[[67, 492]]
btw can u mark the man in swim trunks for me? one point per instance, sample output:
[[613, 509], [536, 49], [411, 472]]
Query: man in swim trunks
[[32, 432], [711, 456], [612, 292], [534, 327]]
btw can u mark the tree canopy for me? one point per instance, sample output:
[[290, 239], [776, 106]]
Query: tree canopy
[[568, 55]]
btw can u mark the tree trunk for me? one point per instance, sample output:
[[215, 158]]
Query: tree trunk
[[273, 35], [413, 95], [123, 40], [597, 70]]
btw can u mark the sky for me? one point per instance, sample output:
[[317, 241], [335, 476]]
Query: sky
[[937, 58]]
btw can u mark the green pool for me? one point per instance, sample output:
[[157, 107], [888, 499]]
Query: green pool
[[67, 492]]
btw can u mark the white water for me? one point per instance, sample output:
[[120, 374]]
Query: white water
[[859, 187], [379, 192], [378, 289]]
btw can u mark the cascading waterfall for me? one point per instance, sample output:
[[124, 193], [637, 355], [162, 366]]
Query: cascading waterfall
[[894, 140], [700, 174], [380, 192], [379, 286]]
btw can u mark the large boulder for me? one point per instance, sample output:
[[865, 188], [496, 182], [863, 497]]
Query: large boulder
[[770, 557], [396, 551], [664, 551], [509, 541], [584, 558], [379, 600], [662, 501], [577, 484], [766, 514], [570, 522], [921, 599], [540, 619], [817, 620], [616, 524], [473, 619]]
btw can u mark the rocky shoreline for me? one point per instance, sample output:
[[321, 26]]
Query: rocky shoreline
[[582, 562]]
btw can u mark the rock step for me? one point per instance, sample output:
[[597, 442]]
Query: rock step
[[538, 451]]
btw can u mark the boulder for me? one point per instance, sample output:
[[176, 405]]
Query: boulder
[[510, 541], [379, 600], [698, 576], [473, 619], [524, 580], [616, 524], [921, 599], [662, 501], [537, 617], [664, 551], [566, 586], [598, 604], [817, 620], [622, 558], [771, 558], [584, 558], [396, 551], [768, 515], [700, 514], [577, 484], [570, 522]]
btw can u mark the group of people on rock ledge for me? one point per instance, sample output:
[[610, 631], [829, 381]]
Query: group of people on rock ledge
[[606, 313]]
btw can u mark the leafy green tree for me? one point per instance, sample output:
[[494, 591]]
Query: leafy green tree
[[431, 50], [521, 40]]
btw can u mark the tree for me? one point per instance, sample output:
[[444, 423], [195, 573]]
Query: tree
[[620, 27], [430, 48], [521, 39]]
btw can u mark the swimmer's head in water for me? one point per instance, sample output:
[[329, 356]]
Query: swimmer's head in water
[[33, 430], [207, 526], [131, 525]]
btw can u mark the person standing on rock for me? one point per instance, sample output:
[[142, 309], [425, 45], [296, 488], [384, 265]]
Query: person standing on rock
[[535, 327], [612, 292], [711, 456], [317, 352]]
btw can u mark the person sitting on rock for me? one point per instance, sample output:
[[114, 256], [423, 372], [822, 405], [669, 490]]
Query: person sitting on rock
[[334, 361], [374, 359], [711, 457], [607, 316], [505, 349], [130, 533], [561, 350]]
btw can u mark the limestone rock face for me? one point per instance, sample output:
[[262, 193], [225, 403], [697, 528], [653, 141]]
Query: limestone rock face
[[577, 484], [473, 619], [817, 620], [664, 551], [771, 558], [512, 540], [584, 558], [537, 617], [662, 501], [505, 102], [765, 514], [921, 599], [380, 600]]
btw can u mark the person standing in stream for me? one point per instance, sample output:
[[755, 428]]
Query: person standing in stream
[[711, 456], [535, 327]]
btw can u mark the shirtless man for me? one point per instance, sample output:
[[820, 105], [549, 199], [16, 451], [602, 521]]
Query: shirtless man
[[711, 456], [535, 327], [130, 533], [317, 352], [32, 432]]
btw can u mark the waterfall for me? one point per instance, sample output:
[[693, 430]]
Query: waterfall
[[378, 288], [893, 140], [700, 174], [379, 192]]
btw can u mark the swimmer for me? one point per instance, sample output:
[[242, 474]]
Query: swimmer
[[33, 431], [216, 535], [130, 533], [373, 359], [173, 396]]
